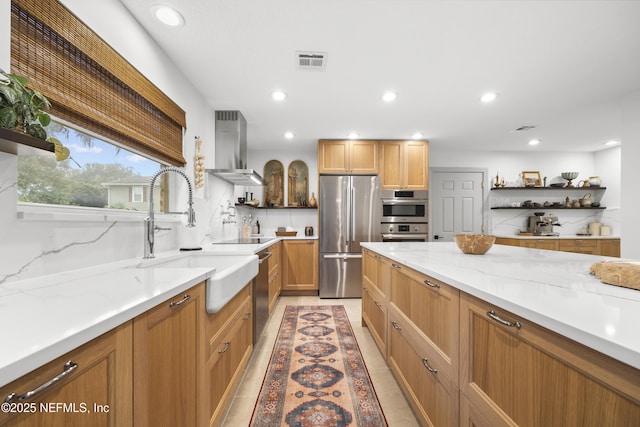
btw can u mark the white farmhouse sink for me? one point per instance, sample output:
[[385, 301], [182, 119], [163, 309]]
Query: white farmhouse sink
[[229, 273]]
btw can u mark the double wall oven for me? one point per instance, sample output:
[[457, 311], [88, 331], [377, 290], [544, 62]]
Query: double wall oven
[[404, 216]]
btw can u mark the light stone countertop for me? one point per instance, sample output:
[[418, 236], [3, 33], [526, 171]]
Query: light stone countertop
[[47, 316], [573, 236], [553, 289]]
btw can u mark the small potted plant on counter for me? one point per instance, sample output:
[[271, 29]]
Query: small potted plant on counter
[[25, 109]]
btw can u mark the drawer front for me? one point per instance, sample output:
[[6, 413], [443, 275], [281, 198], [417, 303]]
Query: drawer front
[[432, 307], [374, 313], [375, 271], [517, 373], [229, 356], [96, 390], [430, 392], [585, 243], [217, 322]]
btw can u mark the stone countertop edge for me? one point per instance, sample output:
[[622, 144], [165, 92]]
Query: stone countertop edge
[[552, 289], [576, 236]]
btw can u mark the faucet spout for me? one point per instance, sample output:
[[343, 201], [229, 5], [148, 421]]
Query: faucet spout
[[149, 222]]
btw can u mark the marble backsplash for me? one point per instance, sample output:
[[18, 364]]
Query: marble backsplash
[[39, 240], [509, 222]]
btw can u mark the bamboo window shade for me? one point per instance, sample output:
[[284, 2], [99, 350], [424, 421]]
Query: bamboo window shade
[[89, 84]]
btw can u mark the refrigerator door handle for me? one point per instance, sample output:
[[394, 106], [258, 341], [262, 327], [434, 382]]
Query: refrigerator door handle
[[342, 256], [352, 216], [347, 193]]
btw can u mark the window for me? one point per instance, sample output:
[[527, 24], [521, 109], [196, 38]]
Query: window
[[137, 194], [98, 174]]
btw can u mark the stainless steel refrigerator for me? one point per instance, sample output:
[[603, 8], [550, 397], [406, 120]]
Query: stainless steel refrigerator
[[349, 214]]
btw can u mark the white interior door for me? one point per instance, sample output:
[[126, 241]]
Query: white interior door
[[456, 200]]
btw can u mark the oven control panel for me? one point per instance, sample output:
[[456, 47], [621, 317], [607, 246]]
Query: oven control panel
[[404, 228]]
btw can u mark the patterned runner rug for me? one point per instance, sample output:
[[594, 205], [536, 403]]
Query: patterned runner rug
[[316, 375]]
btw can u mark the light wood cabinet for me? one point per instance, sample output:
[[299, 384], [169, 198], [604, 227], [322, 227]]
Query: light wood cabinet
[[514, 372], [582, 246], [431, 393], [604, 247], [375, 285], [300, 266], [404, 165], [549, 244], [274, 263], [96, 391], [229, 347], [168, 359], [432, 309], [610, 247], [348, 157]]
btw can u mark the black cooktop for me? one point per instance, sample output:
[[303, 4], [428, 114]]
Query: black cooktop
[[249, 240]]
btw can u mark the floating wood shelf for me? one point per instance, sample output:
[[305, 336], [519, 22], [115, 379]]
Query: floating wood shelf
[[549, 188], [13, 142], [274, 207], [541, 208]]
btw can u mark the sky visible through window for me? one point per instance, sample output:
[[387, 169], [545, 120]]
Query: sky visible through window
[[96, 174]]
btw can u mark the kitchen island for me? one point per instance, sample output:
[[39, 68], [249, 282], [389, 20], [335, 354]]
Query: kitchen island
[[517, 336]]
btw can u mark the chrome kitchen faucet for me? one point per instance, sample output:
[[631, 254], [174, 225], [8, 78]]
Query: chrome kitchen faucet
[[149, 222]]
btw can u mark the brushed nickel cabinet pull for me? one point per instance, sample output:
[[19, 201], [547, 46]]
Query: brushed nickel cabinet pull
[[227, 344], [395, 325], [176, 304], [433, 285], [425, 362], [246, 316], [366, 289], [395, 266], [377, 304], [492, 314], [69, 367]]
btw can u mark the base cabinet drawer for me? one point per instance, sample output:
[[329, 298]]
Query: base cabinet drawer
[[432, 308], [95, 391], [374, 316], [229, 354], [430, 393], [515, 372]]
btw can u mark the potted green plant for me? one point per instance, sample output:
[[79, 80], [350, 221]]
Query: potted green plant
[[26, 109]]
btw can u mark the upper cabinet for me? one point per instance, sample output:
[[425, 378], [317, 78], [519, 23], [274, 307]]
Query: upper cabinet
[[404, 165], [347, 157]]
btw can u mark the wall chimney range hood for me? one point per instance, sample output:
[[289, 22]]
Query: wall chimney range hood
[[231, 150]]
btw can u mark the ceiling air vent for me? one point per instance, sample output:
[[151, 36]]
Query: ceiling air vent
[[311, 60], [524, 128]]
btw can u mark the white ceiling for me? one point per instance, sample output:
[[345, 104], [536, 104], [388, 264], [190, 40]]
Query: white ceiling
[[562, 66]]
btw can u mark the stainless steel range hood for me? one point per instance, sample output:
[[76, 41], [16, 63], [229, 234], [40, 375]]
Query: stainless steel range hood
[[231, 150]]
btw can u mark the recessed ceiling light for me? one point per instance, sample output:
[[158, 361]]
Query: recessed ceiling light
[[288, 135], [353, 135], [489, 97], [389, 96], [167, 15], [612, 142], [534, 142], [418, 135], [278, 95]]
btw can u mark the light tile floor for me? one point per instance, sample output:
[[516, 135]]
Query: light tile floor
[[394, 405]]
